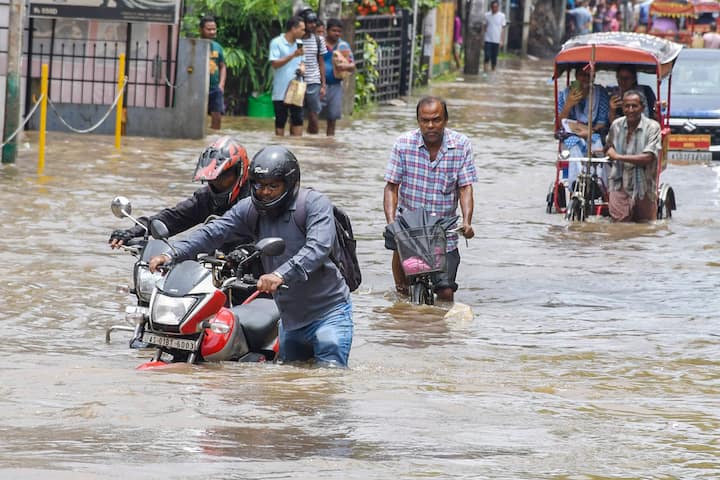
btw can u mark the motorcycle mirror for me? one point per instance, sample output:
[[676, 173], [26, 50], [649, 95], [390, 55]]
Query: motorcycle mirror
[[159, 230], [272, 246], [121, 207]]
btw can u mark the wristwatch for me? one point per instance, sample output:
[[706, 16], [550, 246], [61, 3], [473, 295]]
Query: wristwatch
[[278, 275]]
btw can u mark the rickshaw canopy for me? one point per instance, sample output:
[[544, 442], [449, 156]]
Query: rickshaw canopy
[[647, 53], [672, 9], [677, 9]]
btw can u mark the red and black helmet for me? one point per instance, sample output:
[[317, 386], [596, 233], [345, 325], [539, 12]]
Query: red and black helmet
[[225, 154]]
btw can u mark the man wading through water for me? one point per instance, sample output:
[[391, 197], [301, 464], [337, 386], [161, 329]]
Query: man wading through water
[[431, 168]]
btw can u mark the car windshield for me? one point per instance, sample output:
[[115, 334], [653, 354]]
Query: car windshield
[[695, 77]]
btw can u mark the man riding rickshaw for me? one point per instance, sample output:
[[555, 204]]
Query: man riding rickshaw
[[580, 187]]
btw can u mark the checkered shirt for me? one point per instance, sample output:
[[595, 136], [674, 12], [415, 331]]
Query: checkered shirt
[[433, 186]]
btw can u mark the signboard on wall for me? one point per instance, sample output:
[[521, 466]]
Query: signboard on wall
[[150, 11]]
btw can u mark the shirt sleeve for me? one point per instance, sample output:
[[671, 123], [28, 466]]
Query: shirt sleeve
[[467, 174], [186, 214], [275, 53], [612, 133], [654, 141], [229, 228], [394, 170], [323, 46], [319, 241]]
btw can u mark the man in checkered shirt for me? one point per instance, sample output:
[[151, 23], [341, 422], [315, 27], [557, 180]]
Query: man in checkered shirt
[[432, 168]]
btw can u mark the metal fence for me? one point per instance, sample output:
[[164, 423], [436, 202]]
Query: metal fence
[[392, 34], [86, 71]]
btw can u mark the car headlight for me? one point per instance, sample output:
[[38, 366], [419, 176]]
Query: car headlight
[[145, 283], [170, 310]]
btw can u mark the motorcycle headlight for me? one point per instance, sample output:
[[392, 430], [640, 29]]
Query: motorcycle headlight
[[170, 310], [145, 282]]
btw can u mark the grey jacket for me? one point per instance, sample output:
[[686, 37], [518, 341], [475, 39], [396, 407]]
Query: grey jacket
[[315, 284]]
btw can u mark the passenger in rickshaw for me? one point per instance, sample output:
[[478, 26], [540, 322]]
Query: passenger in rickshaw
[[573, 110], [633, 144], [626, 76]]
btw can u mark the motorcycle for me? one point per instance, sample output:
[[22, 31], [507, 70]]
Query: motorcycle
[[143, 249], [193, 316]]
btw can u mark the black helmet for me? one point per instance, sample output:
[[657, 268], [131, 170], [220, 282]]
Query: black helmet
[[275, 162], [308, 15]]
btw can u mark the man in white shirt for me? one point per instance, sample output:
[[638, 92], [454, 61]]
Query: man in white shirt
[[494, 26]]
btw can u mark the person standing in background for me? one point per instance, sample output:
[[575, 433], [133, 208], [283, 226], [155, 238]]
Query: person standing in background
[[582, 18], [457, 40], [286, 54], [218, 72], [320, 29], [494, 25], [339, 63], [711, 39], [315, 48]]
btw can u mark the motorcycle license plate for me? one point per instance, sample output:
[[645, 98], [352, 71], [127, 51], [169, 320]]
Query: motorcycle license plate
[[178, 343]]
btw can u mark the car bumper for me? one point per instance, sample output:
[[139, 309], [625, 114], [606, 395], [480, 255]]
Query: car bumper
[[694, 139]]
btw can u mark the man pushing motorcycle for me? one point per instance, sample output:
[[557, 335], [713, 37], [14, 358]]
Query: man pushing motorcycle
[[315, 308], [223, 165]]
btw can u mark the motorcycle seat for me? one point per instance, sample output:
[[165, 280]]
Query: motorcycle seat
[[259, 320]]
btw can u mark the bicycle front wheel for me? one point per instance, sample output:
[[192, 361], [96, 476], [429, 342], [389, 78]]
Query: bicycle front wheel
[[420, 294]]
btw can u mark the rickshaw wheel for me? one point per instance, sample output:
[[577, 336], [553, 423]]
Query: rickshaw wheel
[[550, 198], [664, 210]]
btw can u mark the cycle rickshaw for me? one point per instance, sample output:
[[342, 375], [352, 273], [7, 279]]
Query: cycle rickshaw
[[597, 52]]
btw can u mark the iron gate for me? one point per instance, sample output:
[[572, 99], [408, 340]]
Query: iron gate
[[83, 70], [392, 34]]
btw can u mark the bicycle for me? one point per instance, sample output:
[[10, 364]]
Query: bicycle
[[423, 253]]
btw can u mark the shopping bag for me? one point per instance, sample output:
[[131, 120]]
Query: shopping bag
[[339, 60], [295, 94]]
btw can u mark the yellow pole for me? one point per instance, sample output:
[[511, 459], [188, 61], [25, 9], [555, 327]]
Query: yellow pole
[[119, 107], [43, 117]]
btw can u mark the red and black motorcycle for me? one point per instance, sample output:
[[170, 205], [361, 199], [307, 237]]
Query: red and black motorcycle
[[209, 309]]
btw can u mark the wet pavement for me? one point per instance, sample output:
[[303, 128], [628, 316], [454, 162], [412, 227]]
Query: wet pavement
[[592, 350]]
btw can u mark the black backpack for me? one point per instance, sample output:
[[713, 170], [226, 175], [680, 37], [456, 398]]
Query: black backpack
[[344, 256]]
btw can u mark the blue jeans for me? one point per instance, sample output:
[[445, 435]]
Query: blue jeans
[[327, 339]]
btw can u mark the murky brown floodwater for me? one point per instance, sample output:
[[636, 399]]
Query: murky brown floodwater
[[593, 351]]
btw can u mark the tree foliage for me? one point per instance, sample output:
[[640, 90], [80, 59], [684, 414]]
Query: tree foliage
[[245, 28]]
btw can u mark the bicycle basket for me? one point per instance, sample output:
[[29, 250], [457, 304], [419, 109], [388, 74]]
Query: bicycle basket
[[422, 250]]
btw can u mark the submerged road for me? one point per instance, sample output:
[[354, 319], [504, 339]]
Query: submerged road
[[592, 350]]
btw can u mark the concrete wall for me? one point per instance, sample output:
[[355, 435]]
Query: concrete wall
[[187, 119]]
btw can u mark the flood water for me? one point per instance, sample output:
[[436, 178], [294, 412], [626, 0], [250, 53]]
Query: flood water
[[592, 351]]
